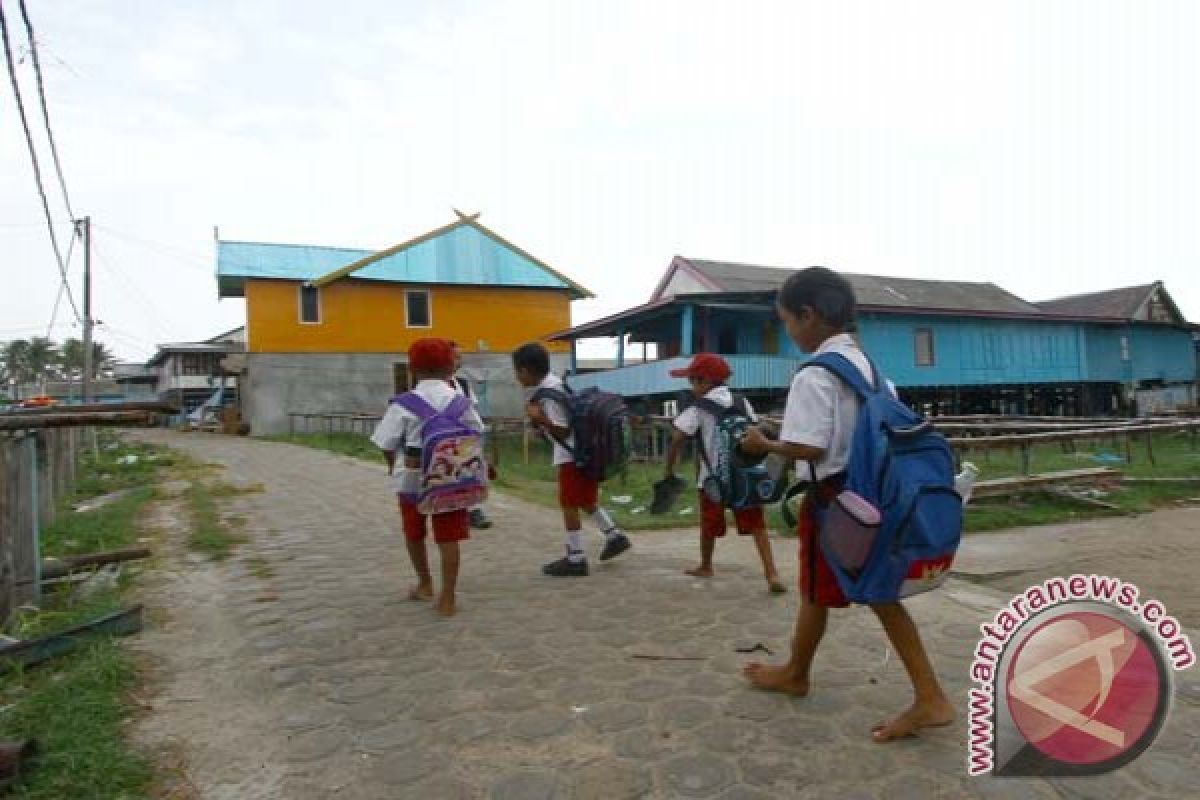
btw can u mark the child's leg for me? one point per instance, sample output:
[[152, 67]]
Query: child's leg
[[450, 556], [763, 544], [930, 707], [414, 539], [712, 527], [573, 524], [708, 545], [793, 677], [753, 522], [448, 530]]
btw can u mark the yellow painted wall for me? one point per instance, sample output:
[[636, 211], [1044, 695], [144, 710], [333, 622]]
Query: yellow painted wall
[[368, 317]]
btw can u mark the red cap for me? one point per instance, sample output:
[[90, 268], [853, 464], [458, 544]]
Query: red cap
[[709, 366], [430, 355]]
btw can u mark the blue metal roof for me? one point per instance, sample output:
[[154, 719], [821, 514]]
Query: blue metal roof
[[462, 254]]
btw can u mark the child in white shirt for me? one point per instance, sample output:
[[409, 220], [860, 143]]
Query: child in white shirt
[[818, 307]]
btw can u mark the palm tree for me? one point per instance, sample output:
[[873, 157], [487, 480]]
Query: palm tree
[[71, 359], [41, 358], [15, 356]]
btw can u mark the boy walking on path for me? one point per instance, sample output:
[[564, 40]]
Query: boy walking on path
[[577, 493], [399, 437], [818, 308], [707, 375]]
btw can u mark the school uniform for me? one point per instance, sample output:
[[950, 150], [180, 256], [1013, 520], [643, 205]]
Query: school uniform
[[400, 432], [821, 412], [575, 490], [696, 422]]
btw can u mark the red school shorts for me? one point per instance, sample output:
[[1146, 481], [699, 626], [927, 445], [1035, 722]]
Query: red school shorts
[[712, 519], [453, 526], [576, 490], [818, 584]]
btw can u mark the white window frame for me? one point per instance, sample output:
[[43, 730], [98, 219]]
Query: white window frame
[[917, 332], [300, 305], [428, 308]]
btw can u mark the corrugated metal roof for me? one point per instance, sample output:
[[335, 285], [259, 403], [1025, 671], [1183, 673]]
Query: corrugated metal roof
[[464, 253], [1111, 304], [874, 290]]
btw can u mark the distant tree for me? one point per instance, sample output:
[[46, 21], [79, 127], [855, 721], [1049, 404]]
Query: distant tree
[[71, 359], [15, 355], [42, 358]]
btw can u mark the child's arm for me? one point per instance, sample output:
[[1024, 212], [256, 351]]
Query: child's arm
[[390, 457], [678, 438], [537, 415], [755, 443]]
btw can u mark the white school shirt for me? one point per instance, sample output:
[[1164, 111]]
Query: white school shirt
[[557, 415], [401, 429], [821, 411], [694, 419]]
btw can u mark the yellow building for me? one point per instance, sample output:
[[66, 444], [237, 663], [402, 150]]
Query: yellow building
[[327, 328]]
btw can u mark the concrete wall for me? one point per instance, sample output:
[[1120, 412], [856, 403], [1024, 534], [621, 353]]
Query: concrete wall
[[278, 383]]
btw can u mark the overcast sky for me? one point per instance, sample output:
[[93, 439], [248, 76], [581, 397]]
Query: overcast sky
[[1050, 147]]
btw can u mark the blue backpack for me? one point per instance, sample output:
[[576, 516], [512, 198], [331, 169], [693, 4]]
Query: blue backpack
[[905, 469], [734, 481]]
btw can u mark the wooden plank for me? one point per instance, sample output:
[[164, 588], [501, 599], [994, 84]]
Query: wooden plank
[[1001, 486], [148, 405], [35, 651], [19, 422]]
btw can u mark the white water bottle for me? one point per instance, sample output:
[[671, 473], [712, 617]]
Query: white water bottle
[[965, 481]]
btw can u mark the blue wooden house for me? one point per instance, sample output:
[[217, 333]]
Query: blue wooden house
[[950, 346]]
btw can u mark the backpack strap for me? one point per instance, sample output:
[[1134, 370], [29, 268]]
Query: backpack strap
[[415, 404], [420, 408], [457, 407], [563, 398], [849, 374]]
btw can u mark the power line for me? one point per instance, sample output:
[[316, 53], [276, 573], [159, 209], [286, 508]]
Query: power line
[[61, 287], [37, 170], [182, 256], [41, 87]]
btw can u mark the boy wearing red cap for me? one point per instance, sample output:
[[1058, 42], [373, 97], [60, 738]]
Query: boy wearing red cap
[[707, 375], [431, 362]]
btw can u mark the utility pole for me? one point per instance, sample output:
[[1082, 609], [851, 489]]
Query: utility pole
[[84, 226]]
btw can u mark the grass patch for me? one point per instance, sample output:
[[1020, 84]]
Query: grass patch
[[77, 711], [212, 533], [106, 528], [260, 568]]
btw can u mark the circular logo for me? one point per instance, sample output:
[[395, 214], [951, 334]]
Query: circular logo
[[1085, 689]]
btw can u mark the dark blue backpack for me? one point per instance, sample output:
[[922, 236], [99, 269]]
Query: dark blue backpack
[[602, 427], [905, 468]]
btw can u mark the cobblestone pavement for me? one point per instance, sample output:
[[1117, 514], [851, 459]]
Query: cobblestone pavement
[[533, 691]]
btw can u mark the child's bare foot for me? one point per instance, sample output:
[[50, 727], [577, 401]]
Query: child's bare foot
[[445, 606], [774, 679], [922, 714], [699, 572], [422, 591]]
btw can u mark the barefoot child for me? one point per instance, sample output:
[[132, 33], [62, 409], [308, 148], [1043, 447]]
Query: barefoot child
[[707, 375], [818, 307], [431, 362], [576, 491]]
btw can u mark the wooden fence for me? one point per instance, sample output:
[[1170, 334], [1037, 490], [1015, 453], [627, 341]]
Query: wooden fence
[[37, 467]]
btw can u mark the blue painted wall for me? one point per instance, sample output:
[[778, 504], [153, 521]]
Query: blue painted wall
[[967, 352]]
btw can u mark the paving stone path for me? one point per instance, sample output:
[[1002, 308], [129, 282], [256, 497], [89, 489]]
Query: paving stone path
[[533, 692]]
